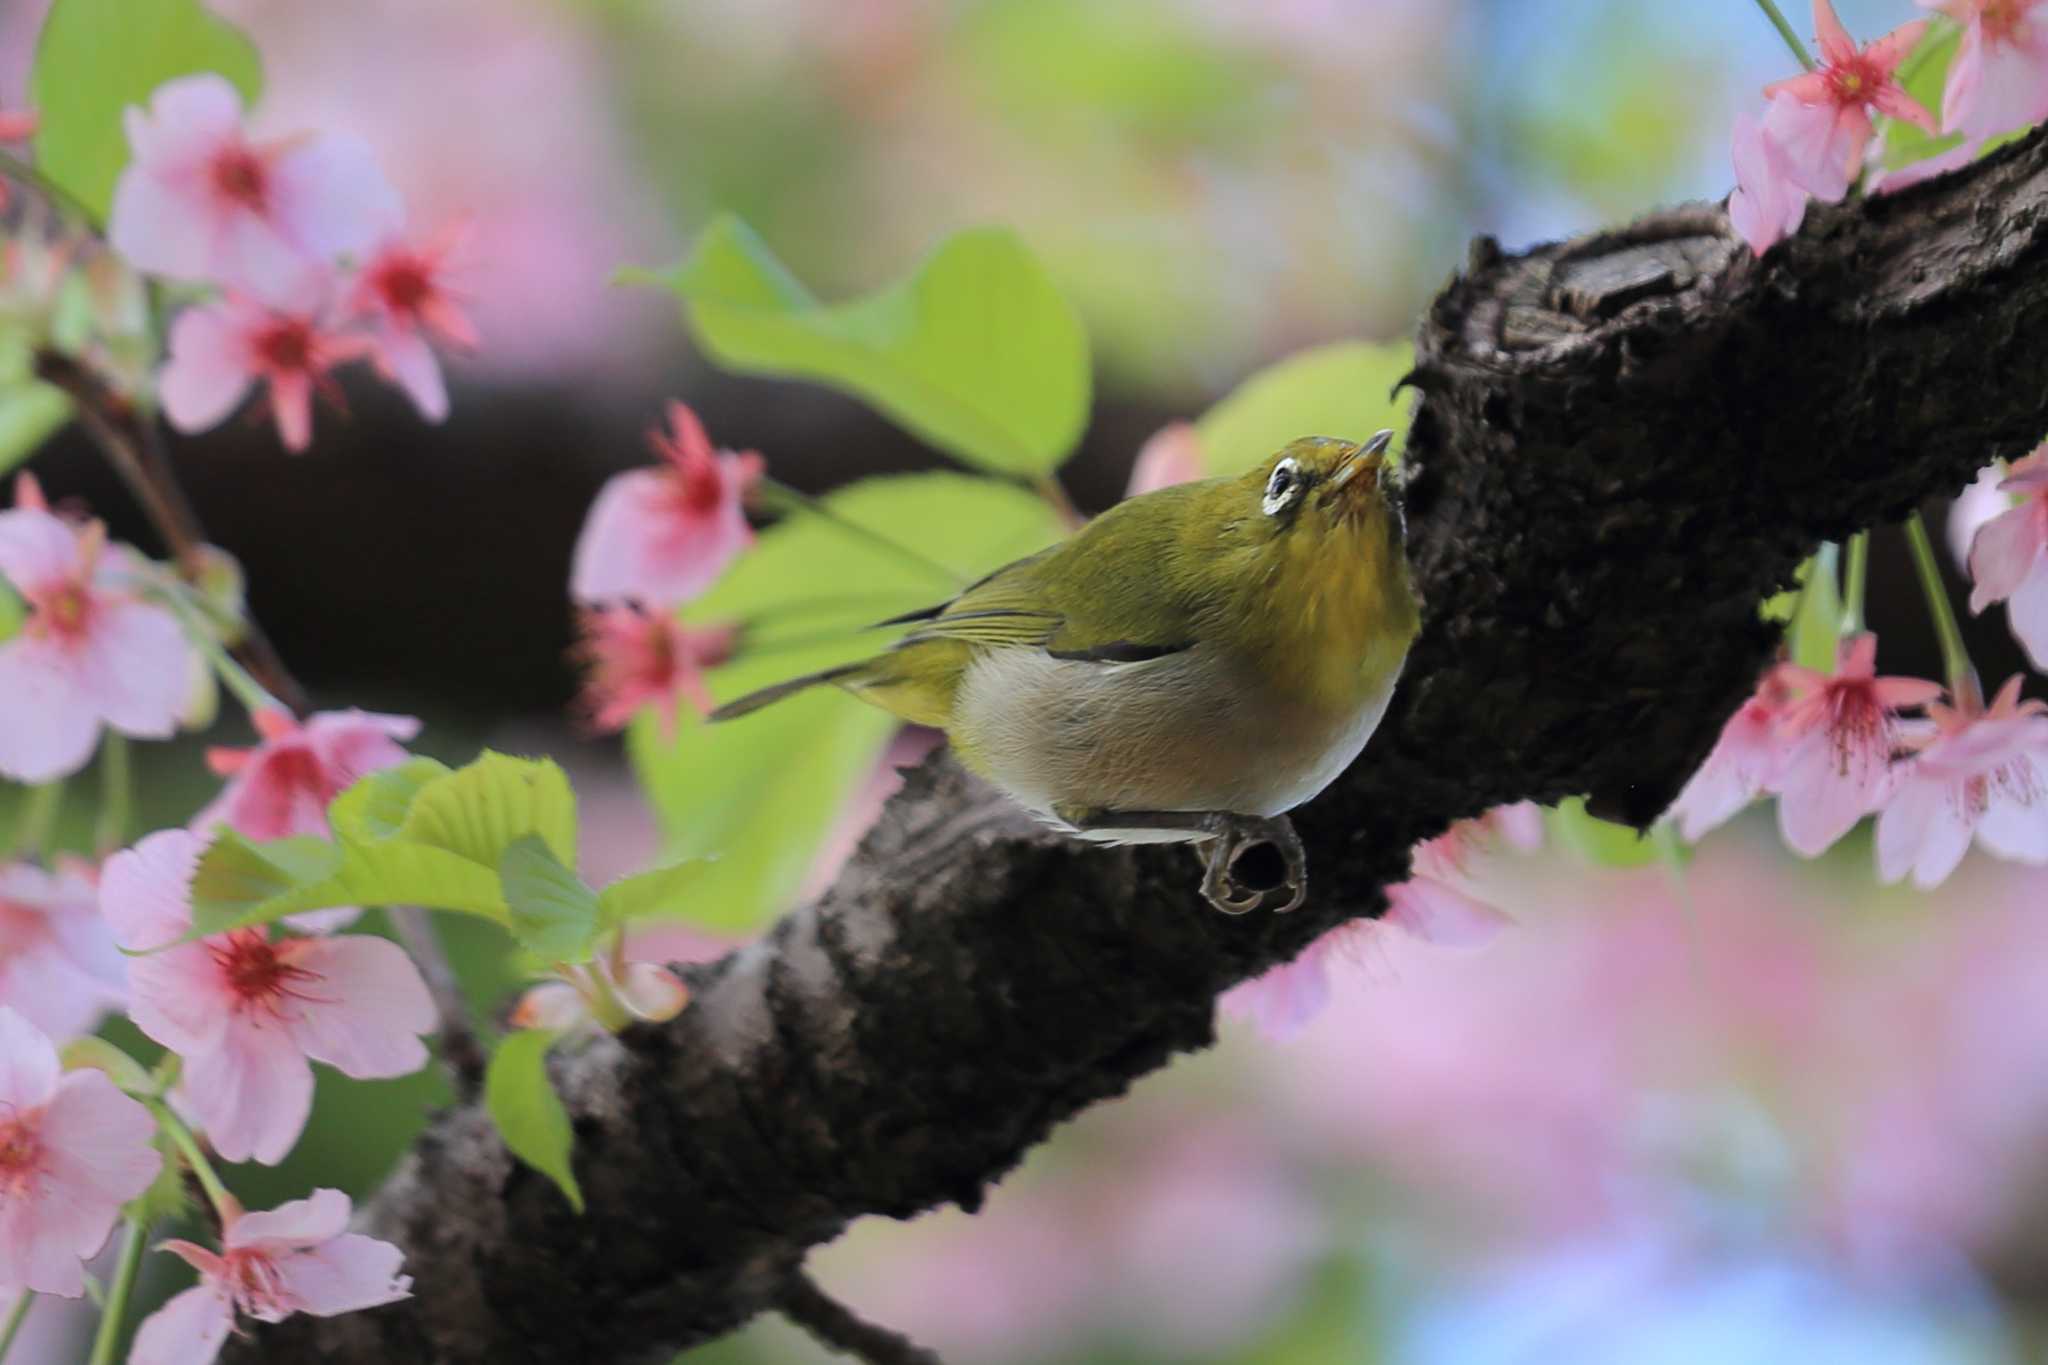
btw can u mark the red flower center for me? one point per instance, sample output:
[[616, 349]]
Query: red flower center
[[1856, 81], [701, 488], [405, 283], [296, 769], [62, 611], [257, 974], [240, 177], [286, 345], [21, 1156]]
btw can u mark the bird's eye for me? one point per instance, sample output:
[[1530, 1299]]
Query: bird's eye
[[1282, 489]]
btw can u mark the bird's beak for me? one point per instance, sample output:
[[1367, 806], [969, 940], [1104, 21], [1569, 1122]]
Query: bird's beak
[[1358, 460]]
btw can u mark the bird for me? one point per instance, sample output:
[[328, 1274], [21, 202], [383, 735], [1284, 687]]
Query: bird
[[1188, 666]]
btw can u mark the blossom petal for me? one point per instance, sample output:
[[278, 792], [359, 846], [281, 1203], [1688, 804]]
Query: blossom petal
[[297, 1223], [2026, 612], [47, 726], [133, 667], [1437, 912], [99, 1141], [189, 1330], [252, 1093], [331, 197], [145, 891], [35, 547], [28, 1063], [177, 997], [371, 1006], [1284, 999], [208, 372], [1836, 46], [406, 360], [345, 1274]]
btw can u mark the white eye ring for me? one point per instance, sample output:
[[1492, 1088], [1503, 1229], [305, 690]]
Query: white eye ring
[[1283, 489]]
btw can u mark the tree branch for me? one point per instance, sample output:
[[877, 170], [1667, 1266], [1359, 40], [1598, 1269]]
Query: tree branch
[[1624, 442]]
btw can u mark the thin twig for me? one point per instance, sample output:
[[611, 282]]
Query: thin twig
[[834, 1325], [461, 1049], [132, 445]]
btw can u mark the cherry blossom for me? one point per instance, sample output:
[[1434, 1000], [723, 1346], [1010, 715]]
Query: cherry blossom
[[661, 536], [1973, 507], [1768, 204], [299, 1257], [247, 1011], [1838, 735], [73, 1149], [90, 653], [1999, 78], [1747, 761], [1824, 130], [219, 350], [639, 658], [1980, 773], [1172, 455], [201, 201], [59, 967], [648, 990], [2009, 557], [403, 290], [282, 786]]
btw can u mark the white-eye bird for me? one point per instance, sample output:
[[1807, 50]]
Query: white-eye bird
[[1189, 665]]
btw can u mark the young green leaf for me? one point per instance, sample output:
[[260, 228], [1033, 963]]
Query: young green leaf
[[1923, 74], [663, 890], [240, 884], [1816, 630], [1345, 390], [554, 915], [97, 57], [529, 1115], [13, 612], [376, 806], [976, 351], [29, 414], [477, 811]]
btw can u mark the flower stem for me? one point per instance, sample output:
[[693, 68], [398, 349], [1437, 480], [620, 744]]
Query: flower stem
[[1855, 574], [117, 795], [113, 1316], [1048, 487], [253, 695], [1786, 31], [14, 1321], [225, 1205], [14, 168], [38, 817], [777, 496], [1962, 677]]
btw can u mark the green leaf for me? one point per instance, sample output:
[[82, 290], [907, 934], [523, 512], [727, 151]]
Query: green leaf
[[1605, 843], [649, 893], [1924, 74], [97, 57], [1345, 390], [29, 415], [13, 612], [240, 884], [762, 792], [375, 807], [98, 1054], [1816, 629], [522, 1102], [554, 915], [477, 811], [975, 351]]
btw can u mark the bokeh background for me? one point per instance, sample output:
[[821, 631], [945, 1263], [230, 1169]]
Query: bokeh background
[[1756, 1111]]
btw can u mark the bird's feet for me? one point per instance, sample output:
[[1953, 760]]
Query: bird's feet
[[1247, 860], [1251, 859]]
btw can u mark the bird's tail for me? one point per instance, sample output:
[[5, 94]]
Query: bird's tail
[[754, 701]]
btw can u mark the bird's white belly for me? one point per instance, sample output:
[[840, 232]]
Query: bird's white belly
[[1182, 733]]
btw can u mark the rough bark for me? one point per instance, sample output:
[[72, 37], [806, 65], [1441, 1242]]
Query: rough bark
[[1623, 442]]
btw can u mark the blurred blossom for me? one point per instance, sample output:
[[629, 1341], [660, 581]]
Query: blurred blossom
[[1974, 506], [59, 967], [404, 289], [220, 350], [2009, 556], [1172, 455], [1999, 78], [637, 659]]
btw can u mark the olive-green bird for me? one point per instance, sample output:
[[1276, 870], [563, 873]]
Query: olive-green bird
[[1187, 666]]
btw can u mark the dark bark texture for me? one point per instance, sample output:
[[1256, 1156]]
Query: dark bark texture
[[1622, 444]]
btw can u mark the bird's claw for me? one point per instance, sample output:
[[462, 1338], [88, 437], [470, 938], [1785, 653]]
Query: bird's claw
[[1236, 836]]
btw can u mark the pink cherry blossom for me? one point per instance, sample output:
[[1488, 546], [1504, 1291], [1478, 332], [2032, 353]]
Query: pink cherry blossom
[[18, 125], [91, 651], [1838, 735], [661, 536], [2009, 557], [1825, 129], [59, 967], [247, 1011], [1768, 204], [639, 658], [299, 1257], [1973, 507], [73, 1149], [1746, 762], [1999, 78], [1172, 455], [220, 349], [403, 290], [282, 786], [201, 201], [1981, 774]]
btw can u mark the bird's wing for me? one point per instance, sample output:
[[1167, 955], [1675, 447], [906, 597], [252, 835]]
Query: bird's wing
[[1120, 613]]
